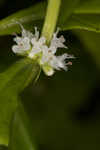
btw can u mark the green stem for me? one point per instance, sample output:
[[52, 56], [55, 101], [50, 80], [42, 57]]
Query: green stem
[[51, 18]]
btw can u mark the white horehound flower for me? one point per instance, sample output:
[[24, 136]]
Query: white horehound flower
[[35, 47]]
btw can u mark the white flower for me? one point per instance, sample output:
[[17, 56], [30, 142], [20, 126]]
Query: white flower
[[57, 42], [37, 46], [23, 43], [33, 45]]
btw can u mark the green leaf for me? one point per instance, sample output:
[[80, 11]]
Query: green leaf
[[85, 16], [15, 78], [12, 83], [67, 8], [30, 16], [88, 7], [22, 138], [82, 21], [2, 147]]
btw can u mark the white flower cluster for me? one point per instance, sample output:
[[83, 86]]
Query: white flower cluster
[[35, 47]]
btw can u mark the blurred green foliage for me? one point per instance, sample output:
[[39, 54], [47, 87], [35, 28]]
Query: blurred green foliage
[[61, 112]]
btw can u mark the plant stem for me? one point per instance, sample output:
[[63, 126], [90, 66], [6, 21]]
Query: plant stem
[[51, 18]]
